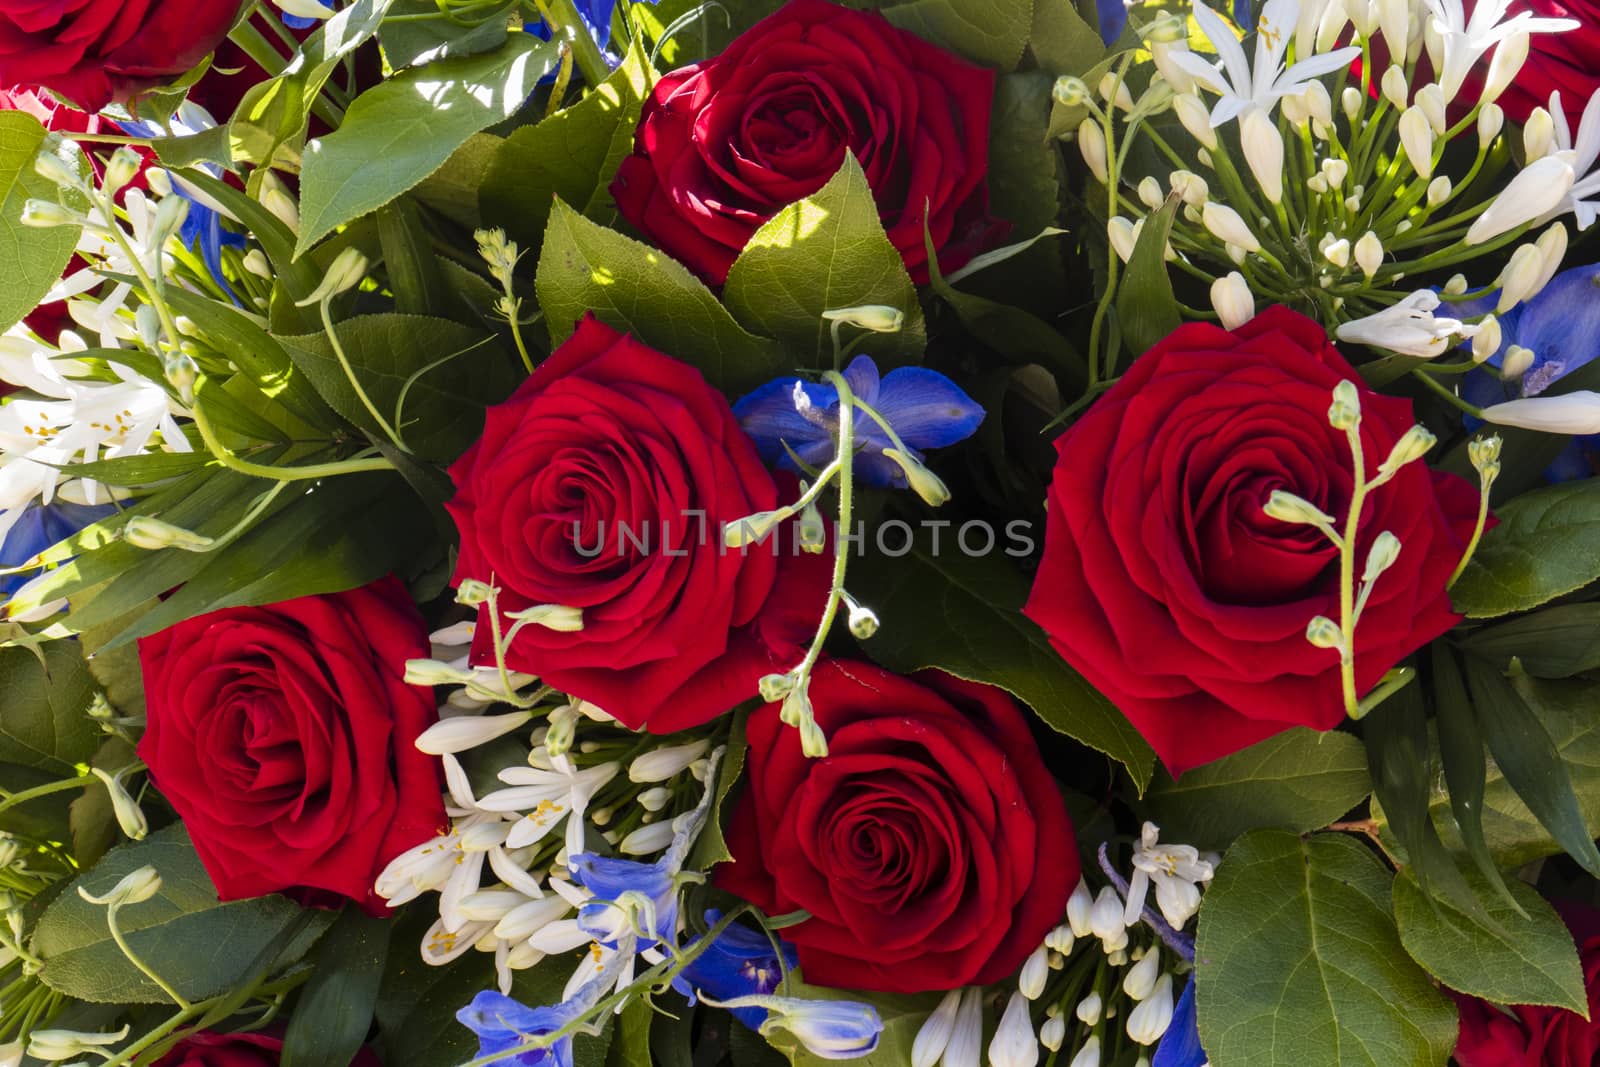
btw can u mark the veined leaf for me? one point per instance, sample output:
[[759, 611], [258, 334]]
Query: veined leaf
[[31, 259], [1547, 545]]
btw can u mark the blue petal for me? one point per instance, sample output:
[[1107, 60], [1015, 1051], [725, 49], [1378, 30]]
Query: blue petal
[[927, 409], [295, 22], [739, 963], [1180, 1045], [1113, 16], [608, 878], [39, 527], [502, 1023], [862, 374], [1562, 323], [769, 417]]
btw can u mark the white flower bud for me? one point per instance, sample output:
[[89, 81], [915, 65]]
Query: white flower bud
[[1226, 225], [1317, 184], [1412, 446], [1537, 188], [1381, 556], [1350, 100], [58, 1045], [135, 887], [863, 622], [1150, 194], [1519, 277], [879, 318], [1231, 298], [130, 817], [1335, 171], [1509, 55], [1014, 1043], [753, 529], [1319, 103], [654, 798], [1114, 91], [1263, 151], [346, 272], [1140, 981], [1552, 245], [1395, 87], [1148, 1021], [256, 263], [1430, 98], [923, 481], [1538, 134], [647, 839], [666, 762], [1439, 190], [1455, 285], [1295, 110], [1486, 342], [1123, 235], [1190, 186], [1345, 411], [1070, 92], [1089, 1055], [934, 1035], [1196, 119], [1089, 1009], [813, 742], [152, 534], [1416, 137], [1035, 972], [1105, 920], [1092, 143], [1490, 121], [1573, 413], [44, 214], [122, 168], [462, 732], [1323, 632], [1369, 253], [774, 687], [1053, 1033], [1079, 906], [1337, 252], [1516, 363], [1061, 939], [1289, 507]]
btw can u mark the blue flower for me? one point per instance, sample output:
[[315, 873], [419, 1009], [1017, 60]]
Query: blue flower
[[626, 892], [502, 1023], [926, 409], [39, 527], [296, 22], [739, 963], [1561, 327], [596, 16], [1180, 1045]]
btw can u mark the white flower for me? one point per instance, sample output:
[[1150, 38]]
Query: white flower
[[1089, 1009], [548, 797], [461, 732], [1408, 327], [1106, 920], [78, 420], [1584, 152], [1014, 1043], [1035, 972], [1176, 871], [1079, 906], [1150, 1019], [1230, 296], [1089, 1055], [1465, 41], [662, 763], [1227, 226], [1542, 188], [966, 1040], [1573, 413], [1140, 980], [934, 1034], [1241, 86], [1416, 137]]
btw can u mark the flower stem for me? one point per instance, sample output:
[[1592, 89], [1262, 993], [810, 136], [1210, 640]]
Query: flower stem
[[564, 21], [280, 474], [1347, 574], [144, 968], [355, 383]]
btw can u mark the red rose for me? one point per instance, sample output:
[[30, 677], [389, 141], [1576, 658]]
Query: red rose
[[211, 1049], [602, 484], [283, 735], [1535, 1035], [1176, 596], [1568, 61], [930, 846], [723, 144], [94, 52]]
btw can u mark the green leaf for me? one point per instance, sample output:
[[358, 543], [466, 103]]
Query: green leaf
[[43, 709], [1461, 754], [991, 33], [1024, 165], [1526, 755], [403, 129], [335, 1010], [1298, 961], [963, 614], [1062, 42], [412, 267], [1557, 642], [572, 155], [199, 945], [1299, 780], [1519, 959], [1547, 545], [452, 190], [444, 405], [631, 1045], [825, 251], [43, 818], [141, 470], [415, 41], [31, 259], [711, 847], [1146, 308], [585, 267], [208, 146]]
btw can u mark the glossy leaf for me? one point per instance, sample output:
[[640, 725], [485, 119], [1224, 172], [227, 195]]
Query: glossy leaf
[[1547, 545], [31, 259]]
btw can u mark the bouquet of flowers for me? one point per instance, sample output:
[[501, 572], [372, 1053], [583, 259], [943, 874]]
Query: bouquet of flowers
[[932, 532]]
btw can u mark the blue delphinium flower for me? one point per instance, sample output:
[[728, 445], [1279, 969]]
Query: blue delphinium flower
[[1561, 327], [297, 22], [739, 963], [502, 1023], [625, 892], [39, 527], [926, 409], [1180, 1045]]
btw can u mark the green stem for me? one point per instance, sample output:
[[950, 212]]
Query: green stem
[[841, 557], [1347, 574], [355, 383], [1477, 535], [1427, 379], [563, 19], [278, 474], [13, 799], [144, 968]]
